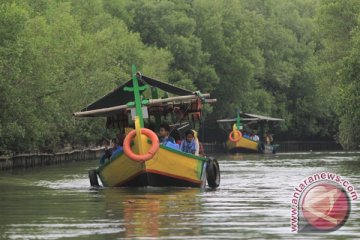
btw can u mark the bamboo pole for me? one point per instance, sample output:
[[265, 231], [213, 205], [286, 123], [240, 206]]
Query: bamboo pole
[[98, 112]]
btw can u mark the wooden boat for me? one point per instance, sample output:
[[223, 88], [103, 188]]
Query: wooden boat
[[238, 143], [143, 161]]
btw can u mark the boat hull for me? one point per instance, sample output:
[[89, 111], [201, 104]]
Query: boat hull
[[167, 168], [145, 179], [245, 145]]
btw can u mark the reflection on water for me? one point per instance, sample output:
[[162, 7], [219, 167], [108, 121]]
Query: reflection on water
[[252, 202], [146, 212]]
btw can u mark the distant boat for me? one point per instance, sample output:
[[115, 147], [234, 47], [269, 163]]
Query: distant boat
[[238, 142], [144, 162]]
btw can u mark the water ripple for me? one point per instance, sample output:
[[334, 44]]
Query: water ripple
[[253, 202]]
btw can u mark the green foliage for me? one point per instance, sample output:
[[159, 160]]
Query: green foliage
[[338, 60], [349, 93], [295, 59], [55, 62], [169, 25]]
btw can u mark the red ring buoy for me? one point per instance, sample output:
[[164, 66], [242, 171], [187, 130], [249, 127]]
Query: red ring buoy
[[141, 157], [235, 139]]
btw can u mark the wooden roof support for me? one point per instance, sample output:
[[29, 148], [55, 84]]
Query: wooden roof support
[[102, 112]]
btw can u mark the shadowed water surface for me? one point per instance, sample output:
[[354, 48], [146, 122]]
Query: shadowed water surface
[[253, 202]]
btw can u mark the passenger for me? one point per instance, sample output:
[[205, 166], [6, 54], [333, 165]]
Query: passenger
[[176, 135], [117, 147], [164, 134], [246, 134], [251, 136], [107, 152], [201, 147], [190, 144], [254, 137], [268, 138]]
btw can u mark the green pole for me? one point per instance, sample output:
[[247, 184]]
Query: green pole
[[238, 123], [136, 90]]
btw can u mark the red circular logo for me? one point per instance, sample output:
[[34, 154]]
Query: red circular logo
[[326, 206]]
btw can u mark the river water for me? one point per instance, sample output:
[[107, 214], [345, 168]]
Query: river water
[[253, 202]]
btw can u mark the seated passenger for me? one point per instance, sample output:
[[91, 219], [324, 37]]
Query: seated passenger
[[190, 144], [107, 151], [254, 137], [176, 135], [246, 134], [117, 147], [201, 150], [164, 134]]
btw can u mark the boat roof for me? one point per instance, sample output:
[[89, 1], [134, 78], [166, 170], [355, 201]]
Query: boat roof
[[116, 102], [121, 97], [248, 117]]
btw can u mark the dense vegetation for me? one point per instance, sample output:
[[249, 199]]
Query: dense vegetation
[[296, 59]]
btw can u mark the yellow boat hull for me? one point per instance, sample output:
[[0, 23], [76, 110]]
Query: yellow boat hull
[[168, 167], [243, 145]]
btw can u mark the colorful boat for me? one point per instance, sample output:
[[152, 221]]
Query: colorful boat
[[238, 142], [143, 161]]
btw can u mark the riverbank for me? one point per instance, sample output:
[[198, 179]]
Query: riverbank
[[23, 161], [308, 146], [285, 146], [43, 159]]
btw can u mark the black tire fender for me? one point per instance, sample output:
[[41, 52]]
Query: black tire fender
[[213, 173], [93, 178]]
